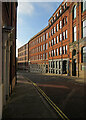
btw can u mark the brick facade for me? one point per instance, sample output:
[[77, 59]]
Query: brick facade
[[23, 57], [57, 48]]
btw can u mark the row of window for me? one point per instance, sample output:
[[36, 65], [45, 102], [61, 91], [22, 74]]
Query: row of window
[[53, 31], [58, 13], [58, 27], [55, 52], [23, 48], [23, 53], [23, 58], [40, 57], [83, 31], [83, 8], [54, 41], [61, 24], [64, 35], [55, 64], [62, 50]]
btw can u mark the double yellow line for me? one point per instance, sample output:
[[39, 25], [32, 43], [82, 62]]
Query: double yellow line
[[57, 109]]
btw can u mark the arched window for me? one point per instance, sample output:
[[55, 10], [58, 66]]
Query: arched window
[[74, 12], [83, 5], [83, 54]]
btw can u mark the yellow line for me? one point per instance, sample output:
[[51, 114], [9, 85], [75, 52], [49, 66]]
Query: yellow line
[[57, 109], [55, 105]]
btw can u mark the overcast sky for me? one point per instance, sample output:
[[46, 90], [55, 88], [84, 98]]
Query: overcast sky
[[32, 18]]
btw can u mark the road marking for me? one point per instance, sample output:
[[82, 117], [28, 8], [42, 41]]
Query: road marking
[[54, 86], [57, 109]]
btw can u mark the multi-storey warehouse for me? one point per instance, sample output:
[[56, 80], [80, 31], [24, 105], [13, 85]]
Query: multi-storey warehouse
[[23, 56], [8, 14], [60, 47]]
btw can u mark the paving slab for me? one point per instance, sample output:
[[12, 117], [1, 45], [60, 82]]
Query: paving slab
[[25, 102]]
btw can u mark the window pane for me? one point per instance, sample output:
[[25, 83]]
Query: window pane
[[84, 28], [74, 11], [56, 39], [84, 5], [74, 33]]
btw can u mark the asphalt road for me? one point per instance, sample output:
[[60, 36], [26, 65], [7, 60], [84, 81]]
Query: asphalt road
[[67, 94]]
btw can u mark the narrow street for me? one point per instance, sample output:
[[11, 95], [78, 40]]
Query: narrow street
[[64, 91], [27, 102]]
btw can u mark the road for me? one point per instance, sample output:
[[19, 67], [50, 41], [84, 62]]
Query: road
[[67, 94]]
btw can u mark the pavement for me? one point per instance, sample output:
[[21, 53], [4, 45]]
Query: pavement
[[26, 102], [68, 93], [43, 96]]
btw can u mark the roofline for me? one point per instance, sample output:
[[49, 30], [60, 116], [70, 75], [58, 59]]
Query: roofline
[[57, 9], [23, 45], [43, 30]]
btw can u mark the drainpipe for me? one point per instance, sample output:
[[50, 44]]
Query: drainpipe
[[78, 37]]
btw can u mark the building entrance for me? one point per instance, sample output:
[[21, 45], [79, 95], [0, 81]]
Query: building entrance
[[74, 67], [64, 67]]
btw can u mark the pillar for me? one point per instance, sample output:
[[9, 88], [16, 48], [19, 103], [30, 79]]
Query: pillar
[[68, 67], [7, 69], [1, 61], [4, 67]]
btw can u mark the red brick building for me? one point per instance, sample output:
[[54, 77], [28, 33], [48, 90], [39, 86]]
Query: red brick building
[[23, 57], [60, 47], [55, 43], [77, 45]]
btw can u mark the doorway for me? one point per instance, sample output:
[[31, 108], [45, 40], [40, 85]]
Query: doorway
[[74, 67], [64, 67]]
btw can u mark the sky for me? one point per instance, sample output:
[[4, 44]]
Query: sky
[[32, 17]]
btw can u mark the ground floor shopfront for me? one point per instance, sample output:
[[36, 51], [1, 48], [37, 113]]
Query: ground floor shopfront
[[56, 66], [78, 58], [22, 65]]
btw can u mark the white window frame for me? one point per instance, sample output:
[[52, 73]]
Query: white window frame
[[49, 54], [74, 33], [46, 46], [60, 50], [56, 27], [63, 35], [60, 24], [66, 34], [65, 49], [84, 5], [60, 11], [56, 51], [84, 28], [49, 43], [43, 46], [43, 37], [60, 37], [54, 30], [43, 56], [56, 39], [46, 36]]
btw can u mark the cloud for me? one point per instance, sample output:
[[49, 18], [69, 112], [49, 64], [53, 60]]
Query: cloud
[[20, 20], [25, 8]]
